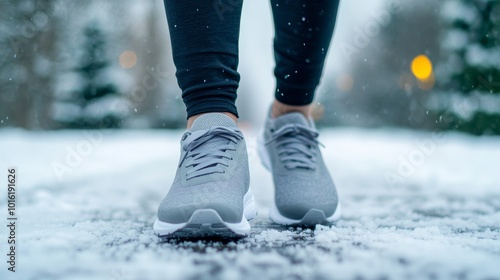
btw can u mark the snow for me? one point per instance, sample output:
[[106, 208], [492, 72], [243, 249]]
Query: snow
[[95, 221], [65, 111], [455, 39], [454, 10], [466, 106], [477, 55], [111, 105]]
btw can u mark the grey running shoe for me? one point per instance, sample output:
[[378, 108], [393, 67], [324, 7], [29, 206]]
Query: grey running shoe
[[210, 194], [304, 191]]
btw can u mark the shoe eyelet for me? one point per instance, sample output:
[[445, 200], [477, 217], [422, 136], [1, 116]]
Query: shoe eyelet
[[272, 129]]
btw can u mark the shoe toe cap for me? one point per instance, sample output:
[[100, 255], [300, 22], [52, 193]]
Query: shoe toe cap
[[294, 197], [172, 213]]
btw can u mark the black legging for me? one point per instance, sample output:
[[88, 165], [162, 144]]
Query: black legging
[[204, 36]]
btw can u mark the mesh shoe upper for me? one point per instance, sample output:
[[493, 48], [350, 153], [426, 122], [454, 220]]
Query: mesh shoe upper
[[302, 181], [212, 172]]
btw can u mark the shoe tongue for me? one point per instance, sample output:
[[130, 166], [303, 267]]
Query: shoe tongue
[[207, 121], [289, 118]]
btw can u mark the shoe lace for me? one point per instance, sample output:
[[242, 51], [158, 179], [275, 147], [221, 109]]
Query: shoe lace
[[208, 159], [295, 144]]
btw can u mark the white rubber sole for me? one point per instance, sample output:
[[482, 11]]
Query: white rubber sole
[[312, 217], [206, 222]]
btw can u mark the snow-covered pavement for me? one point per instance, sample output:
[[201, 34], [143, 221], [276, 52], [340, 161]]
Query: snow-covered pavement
[[416, 205]]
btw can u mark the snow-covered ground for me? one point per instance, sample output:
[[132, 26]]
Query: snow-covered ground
[[415, 206]]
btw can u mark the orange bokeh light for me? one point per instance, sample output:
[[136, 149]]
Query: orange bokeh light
[[128, 59], [421, 67]]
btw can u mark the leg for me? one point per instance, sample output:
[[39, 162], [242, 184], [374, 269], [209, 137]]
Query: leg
[[304, 192], [303, 33], [210, 194], [204, 36]]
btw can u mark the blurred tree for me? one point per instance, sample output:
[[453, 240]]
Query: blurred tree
[[29, 31], [95, 102], [379, 89], [470, 76], [44, 83]]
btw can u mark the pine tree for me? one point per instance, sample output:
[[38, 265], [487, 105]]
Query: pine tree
[[94, 97], [471, 79]]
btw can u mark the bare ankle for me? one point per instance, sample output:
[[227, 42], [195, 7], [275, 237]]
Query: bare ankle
[[278, 108], [192, 118]]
